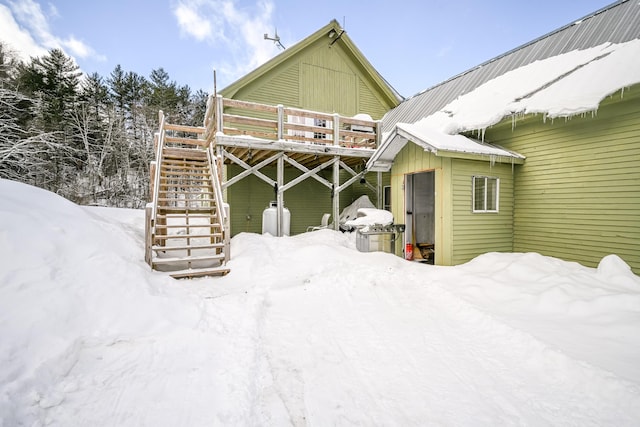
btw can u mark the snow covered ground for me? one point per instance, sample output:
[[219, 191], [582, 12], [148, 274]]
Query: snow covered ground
[[305, 330]]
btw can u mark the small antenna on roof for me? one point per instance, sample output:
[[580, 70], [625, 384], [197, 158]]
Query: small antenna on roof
[[275, 39]]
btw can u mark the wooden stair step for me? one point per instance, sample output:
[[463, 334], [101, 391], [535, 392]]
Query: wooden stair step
[[182, 203], [193, 188], [187, 247], [205, 185], [181, 176], [183, 171], [180, 215], [183, 200], [197, 258], [213, 225], [199, 272], [178, 178], [188, 184], [166, 167], [186, 236], [176, 161], [184, 153], [185, 128], [190, 205], [185, 209], [161, 226], [195, 193], [166, 173]]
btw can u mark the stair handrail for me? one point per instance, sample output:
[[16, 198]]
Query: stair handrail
[[217, 193], [156, 182]]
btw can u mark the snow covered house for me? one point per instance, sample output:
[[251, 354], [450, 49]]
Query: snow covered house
[[324, 85], [535, 150]]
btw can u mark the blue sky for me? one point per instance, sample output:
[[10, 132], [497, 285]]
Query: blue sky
[[413, 44]]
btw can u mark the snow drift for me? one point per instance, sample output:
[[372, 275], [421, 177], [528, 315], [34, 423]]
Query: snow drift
[[304, 330]]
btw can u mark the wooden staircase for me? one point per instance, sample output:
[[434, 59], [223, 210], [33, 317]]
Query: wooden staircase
[[187, 233]]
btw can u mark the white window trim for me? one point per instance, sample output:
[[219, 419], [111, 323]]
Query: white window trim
[[473, 194], [309, 121]]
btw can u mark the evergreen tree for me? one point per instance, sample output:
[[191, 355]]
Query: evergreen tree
[[136, 89], [95, 93], [54, 79], [117, 87]]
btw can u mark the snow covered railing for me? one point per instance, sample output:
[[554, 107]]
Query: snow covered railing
[[276, 122]]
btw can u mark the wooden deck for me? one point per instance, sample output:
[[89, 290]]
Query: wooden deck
[[252, 132]]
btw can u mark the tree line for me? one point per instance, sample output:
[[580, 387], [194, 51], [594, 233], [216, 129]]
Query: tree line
[[86, 137]]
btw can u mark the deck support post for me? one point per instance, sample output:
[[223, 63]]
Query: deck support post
[[280, 131], [380, 190], [280, 196], [336, 174], [336, 194]]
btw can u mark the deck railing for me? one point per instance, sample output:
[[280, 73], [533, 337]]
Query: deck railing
[[276, 122], [221, 210]]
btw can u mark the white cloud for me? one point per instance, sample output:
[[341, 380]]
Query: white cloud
[[80, 49], [25, 27], [18, 38], [236, 31], [191, 23], [29, 14]]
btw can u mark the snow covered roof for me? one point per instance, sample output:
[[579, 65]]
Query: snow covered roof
[[569, 83], [437, 142], [561, 86], [617, 23]]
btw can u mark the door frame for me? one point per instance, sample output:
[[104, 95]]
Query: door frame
[[410, 211]]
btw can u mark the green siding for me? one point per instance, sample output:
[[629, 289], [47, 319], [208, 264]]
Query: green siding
[[328, 90], [306, 201], [370, 103], [274, 88], [478, 233], [578, 192], [321, 77]]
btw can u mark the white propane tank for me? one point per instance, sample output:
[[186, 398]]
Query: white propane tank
[[270, 220]]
